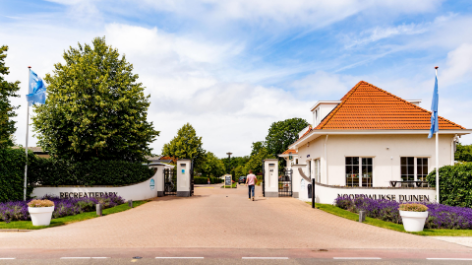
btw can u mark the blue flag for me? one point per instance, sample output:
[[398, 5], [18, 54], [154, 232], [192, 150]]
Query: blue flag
[[37, 90], [434, 110]]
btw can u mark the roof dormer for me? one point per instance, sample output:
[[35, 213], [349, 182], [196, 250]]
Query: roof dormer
[[321, 109]]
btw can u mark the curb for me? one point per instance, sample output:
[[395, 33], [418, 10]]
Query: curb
[[14, 230]]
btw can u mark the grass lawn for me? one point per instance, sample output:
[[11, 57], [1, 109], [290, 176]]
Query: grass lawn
[[388, 225], [69, 219], [230, 187]]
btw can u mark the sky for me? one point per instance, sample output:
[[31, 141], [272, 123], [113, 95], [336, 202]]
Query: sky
[[231, 68]]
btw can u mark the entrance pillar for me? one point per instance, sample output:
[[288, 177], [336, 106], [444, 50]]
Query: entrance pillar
[[159, 176], [184, 166], [271, 177]]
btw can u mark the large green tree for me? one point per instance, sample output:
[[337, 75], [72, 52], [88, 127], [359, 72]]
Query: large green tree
[[7, 90], [463, 152], [211, 166], [259, 152], [95, 108], [185, 145], [283, 133]]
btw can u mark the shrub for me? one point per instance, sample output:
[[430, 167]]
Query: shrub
[[216, 180], [200, 180], [14, 211], [40, 203], [95, 172], [455, 184], [439, 216], [413, 207], [12, 173]]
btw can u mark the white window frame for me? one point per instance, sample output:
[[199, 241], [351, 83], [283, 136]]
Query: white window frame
[[415, 165], [317, 169], [360, 169]]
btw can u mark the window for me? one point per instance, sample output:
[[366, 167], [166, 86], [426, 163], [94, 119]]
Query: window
[[309, 168], [408, 168], [352, 171], [421, 168], [367, 170], [356, 167], [317, 170], [408, 165], [316, 116]]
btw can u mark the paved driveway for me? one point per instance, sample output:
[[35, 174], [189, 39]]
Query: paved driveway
[[218, 218]]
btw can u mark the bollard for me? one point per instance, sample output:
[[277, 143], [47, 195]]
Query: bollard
[[130, 203], [98, 207], [361, 216]]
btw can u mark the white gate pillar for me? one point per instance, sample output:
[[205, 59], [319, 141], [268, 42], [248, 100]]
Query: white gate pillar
[[271, 177], [183, 177], [159, 180]]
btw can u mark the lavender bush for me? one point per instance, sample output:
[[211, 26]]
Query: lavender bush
[[440, 216], [15, 211]]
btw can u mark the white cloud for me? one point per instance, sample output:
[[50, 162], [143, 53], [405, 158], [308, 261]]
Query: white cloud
[[458, 66], [324, 86], [286, 14]]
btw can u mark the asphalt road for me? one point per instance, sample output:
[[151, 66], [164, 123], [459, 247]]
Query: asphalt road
[[231, 261]]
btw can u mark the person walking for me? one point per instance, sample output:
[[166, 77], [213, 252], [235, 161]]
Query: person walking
[[251, 184]]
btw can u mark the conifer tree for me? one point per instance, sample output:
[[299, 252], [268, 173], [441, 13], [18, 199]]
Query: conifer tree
[[7, 90], [95, 108]]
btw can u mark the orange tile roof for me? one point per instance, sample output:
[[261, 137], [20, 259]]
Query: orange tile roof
[[367, 107], [293, 151]]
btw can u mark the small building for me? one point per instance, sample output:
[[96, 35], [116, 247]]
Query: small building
[[38, 151], [368, 141]]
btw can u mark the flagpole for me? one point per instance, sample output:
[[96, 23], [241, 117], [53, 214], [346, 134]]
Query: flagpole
[[437, 152], [26, 141]]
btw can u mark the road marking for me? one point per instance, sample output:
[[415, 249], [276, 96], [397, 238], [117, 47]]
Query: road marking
[[449, 258], [356, 258], [84, 258], [7, 258], [264, 257], [179, 257]]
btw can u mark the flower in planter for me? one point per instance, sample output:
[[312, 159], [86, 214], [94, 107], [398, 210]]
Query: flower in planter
[[40, 203], [413, 207]]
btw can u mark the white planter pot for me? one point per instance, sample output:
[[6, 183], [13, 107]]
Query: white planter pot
[[413, 221], [41, 215]]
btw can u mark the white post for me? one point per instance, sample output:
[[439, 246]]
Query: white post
[[437, 152], [437, 169], [26, 142]]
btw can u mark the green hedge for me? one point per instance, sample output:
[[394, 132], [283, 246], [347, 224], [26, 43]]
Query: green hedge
[[12, 173], [204, 180], [95, 172], [455, 184]]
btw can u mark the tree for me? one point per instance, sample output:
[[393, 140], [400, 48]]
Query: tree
[[255, 162], [284, 133], [95, 108], [210, 166], [463, 152], [186, 145], [256, 147], [7, 90]]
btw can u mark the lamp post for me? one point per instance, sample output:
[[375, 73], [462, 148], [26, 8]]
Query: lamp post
[[229, 161]]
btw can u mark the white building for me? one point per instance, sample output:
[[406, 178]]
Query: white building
[[365, 142]]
